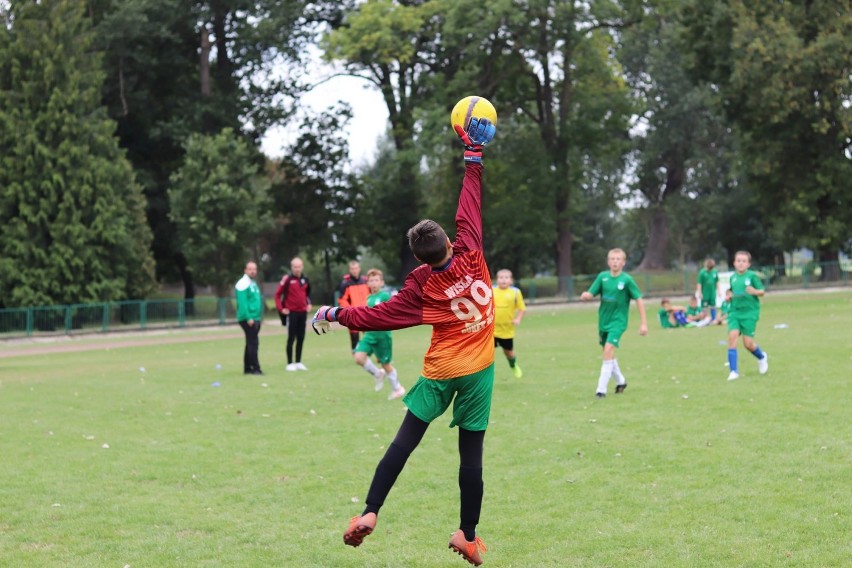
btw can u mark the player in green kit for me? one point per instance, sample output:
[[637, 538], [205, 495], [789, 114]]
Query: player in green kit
[[616, 288], [746, 289], [708, 286], [378, 343]]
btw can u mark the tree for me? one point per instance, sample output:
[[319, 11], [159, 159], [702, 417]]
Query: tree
[[679, 134], [568, 83], [394, 46], [73, 217], [178, 67], [220, 205], [782, 70], [316, 198]]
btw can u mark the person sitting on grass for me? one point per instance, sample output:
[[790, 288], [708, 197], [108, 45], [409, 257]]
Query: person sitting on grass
[[697, 314], [672, 316]]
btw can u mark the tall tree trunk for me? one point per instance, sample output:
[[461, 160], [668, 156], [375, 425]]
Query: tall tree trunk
[[564, 242], [658, 240], [204, 62], [327, 270], [830, 265], [188, 283], [655, 252]]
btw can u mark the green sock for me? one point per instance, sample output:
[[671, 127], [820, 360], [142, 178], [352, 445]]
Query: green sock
[[512, 361]]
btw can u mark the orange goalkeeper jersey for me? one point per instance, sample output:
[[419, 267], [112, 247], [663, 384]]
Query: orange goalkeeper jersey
[[455, 299]]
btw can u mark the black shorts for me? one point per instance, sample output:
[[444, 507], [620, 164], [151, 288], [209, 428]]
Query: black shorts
[[507, 344]]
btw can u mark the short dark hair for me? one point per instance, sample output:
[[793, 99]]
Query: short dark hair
[[428, 241]]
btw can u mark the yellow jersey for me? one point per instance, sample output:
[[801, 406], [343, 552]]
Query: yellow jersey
[[506, 302]]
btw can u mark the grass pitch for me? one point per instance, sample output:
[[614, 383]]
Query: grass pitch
[[106, 465]]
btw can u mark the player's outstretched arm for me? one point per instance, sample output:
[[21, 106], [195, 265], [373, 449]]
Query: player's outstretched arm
[[321, 322], [586, 295], [480, 132], [405, 309]]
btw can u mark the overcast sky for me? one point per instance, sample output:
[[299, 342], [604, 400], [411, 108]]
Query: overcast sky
[[368, 124]]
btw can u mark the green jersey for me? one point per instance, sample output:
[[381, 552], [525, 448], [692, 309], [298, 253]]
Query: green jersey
[[663, 314], [616, 293], [374, 300], [690, 311], [726, 307], [708, 280], [742, 302]]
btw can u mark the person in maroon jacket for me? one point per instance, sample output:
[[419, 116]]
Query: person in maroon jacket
[[451, 292], [293, 300]]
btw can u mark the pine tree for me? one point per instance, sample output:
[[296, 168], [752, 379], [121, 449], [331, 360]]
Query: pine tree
[[72, 216]]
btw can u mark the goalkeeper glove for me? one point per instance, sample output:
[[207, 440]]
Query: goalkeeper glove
[[479, 132], [323, 318]]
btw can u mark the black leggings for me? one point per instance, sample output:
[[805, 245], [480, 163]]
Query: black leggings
[[296, 322], [407, 438]]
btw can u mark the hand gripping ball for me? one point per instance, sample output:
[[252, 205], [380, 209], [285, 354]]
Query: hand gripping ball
[[472, 107]]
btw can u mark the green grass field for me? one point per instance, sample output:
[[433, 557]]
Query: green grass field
[[683, 469]]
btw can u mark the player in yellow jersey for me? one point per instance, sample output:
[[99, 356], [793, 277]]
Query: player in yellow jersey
[[451, 292], [509, 310]]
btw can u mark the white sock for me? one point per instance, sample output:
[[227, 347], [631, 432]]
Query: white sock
[[393, 380], [606, 373], [371, 368], [706, 321], [620, 379]]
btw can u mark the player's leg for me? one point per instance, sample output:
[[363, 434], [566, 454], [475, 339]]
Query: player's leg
[[407, 438], [354, 338], [508, 346], [754, 348], [397, 390], [383, 349], [471, 411], [362, 358], [620, 379], [733, 337], [464, 541], [609, 340], [710, 304]]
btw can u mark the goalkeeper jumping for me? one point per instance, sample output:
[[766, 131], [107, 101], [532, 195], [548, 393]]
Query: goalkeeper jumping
[[451, 292]]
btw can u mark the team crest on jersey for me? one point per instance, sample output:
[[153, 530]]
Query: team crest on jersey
[[621, 285], [748, 281]]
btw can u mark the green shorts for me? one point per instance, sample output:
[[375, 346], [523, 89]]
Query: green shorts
[[378, 344], [428, 399], [708, 302], [746, 325], [612, 336]]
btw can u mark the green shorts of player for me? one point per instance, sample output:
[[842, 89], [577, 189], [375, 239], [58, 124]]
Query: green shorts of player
[[428, 399], [745, 324], [378, 344], [612, 336]]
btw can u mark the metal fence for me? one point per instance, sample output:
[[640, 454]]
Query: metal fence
[[115, 316], [158, 314], [674, 283]]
